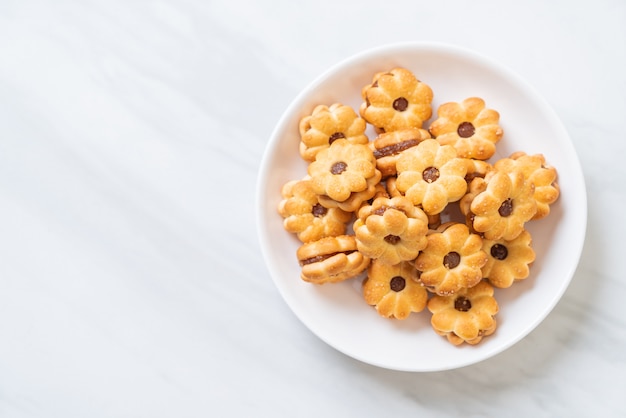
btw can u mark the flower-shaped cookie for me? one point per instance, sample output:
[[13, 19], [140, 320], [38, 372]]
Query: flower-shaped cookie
[[342, 169], [542, 176], [431, 175], [396, 100], [391, 230], [467, 316], [388, 147], [306, 217], [327, 124], [393, 289], [452, 259], [468, 126], [331, 259], [499, 205], [508, 261]]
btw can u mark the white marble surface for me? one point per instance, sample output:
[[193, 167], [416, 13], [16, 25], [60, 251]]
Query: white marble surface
[[131, 281]]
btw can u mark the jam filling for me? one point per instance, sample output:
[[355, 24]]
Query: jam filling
[[335, 137], [506, 209], [400, 104], [465, 130], [319, 210], [499, 251], [338, 167], [451, 260], [462, 304], [379, 211], [430, 175], [321, 257], [395, 148], [392, 239], [471, 176], [397, 283]]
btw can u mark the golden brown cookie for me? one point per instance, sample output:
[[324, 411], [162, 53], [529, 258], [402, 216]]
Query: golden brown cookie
[[542, 176], [466, 316], [499, 205], [452, 259], [391, 230], [327, 124], [431, 176], [508, 261], [306, 217], [469, 126], [343, 170], [393, 290], [396, 100], [331, 259], [388, 147]]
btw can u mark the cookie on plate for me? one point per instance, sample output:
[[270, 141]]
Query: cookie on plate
[[304, 215], [331, 260], [508, 261], [467, 316], [471, 128], [499, 205], [344, 173], [395, 100], [327, 124], [452, 259], [431, 176], [391, 230], [542, 176], [393, 290]]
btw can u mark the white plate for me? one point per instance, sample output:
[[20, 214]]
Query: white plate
[[337, 313]]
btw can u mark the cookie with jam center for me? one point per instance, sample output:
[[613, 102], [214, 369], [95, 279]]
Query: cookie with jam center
[[469, 126], [393, 290], [499, 205], [391, 230], [395, 100], [304, 216], [467, 316], [452, 259], [431, 176], [326, 124], [508, 261], [542, 176]]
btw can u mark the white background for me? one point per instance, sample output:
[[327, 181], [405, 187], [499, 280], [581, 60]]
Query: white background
[[131, 278]]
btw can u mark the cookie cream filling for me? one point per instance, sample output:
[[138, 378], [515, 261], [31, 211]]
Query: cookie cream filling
[[322, 257], [395, 148]]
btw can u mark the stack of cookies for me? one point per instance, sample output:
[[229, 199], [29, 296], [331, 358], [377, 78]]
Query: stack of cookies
[[379, 208]]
